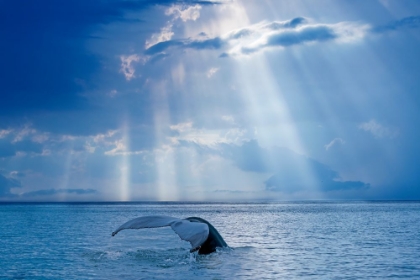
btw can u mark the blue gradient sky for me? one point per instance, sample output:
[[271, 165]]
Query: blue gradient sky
[[205, 100]]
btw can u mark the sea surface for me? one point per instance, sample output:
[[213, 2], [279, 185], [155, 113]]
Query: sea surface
[[288, 240]]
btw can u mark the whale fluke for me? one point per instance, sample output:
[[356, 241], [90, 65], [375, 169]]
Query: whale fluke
[[200, 233]]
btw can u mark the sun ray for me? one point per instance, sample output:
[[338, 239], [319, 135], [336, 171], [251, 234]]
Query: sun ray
[[166, 186], [124, 165]]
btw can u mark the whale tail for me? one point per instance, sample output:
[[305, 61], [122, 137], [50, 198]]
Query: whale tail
[[203, 237], [195, 233]]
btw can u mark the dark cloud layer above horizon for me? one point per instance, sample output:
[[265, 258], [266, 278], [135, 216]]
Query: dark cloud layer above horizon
[[53, 192]]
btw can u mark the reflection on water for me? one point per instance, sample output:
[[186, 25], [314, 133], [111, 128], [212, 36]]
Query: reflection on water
[[267, 241]]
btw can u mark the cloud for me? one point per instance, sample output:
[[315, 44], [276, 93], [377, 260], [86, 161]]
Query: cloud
[[127, 67], [334, 142], [4, 132], [184, 12], [47, 54], [284, 170], [268, 35], [408, 22], [7, 183], [57, 57], [326, 180], [197, 44], [297, 31], [289, 38], [165, 34], [378, 130], [292, 172], [22, 140], [52, 192], [211, 72], [44, 51], [187, 133], [277, 35]]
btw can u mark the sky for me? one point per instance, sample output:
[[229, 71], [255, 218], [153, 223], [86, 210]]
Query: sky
[[224, 100]]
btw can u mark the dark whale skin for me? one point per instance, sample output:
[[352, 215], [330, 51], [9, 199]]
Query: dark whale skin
[[213, 240]]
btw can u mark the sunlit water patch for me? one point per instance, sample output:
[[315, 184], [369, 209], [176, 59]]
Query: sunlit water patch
[[356, 240]]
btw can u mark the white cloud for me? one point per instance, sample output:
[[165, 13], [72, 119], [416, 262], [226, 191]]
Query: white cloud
[[101, 137], [229, 119], [165, 34], [334, 142], [127, 67], [265, 36], [211, 72], [40, 137], [4, 132], [24, 132], [181, 127], [120, 148], [112, 93], [378, 130], [184, 13], [207, 137], [282, 34]]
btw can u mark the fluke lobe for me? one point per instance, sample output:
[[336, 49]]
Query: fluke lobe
[[202, 235]]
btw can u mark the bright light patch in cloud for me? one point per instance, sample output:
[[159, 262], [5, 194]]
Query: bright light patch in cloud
[[378, 130], [211, 72], [207, 137], [282, 34]]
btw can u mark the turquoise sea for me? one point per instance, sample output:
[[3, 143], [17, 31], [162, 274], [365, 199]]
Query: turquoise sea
[[288, 240]]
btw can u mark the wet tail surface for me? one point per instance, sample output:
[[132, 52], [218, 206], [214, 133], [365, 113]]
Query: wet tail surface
[[214, 239]]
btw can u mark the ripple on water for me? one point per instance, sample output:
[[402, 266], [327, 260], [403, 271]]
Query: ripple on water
[[268, 241]]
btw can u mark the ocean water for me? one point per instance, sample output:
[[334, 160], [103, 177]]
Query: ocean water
[[298, 240]]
